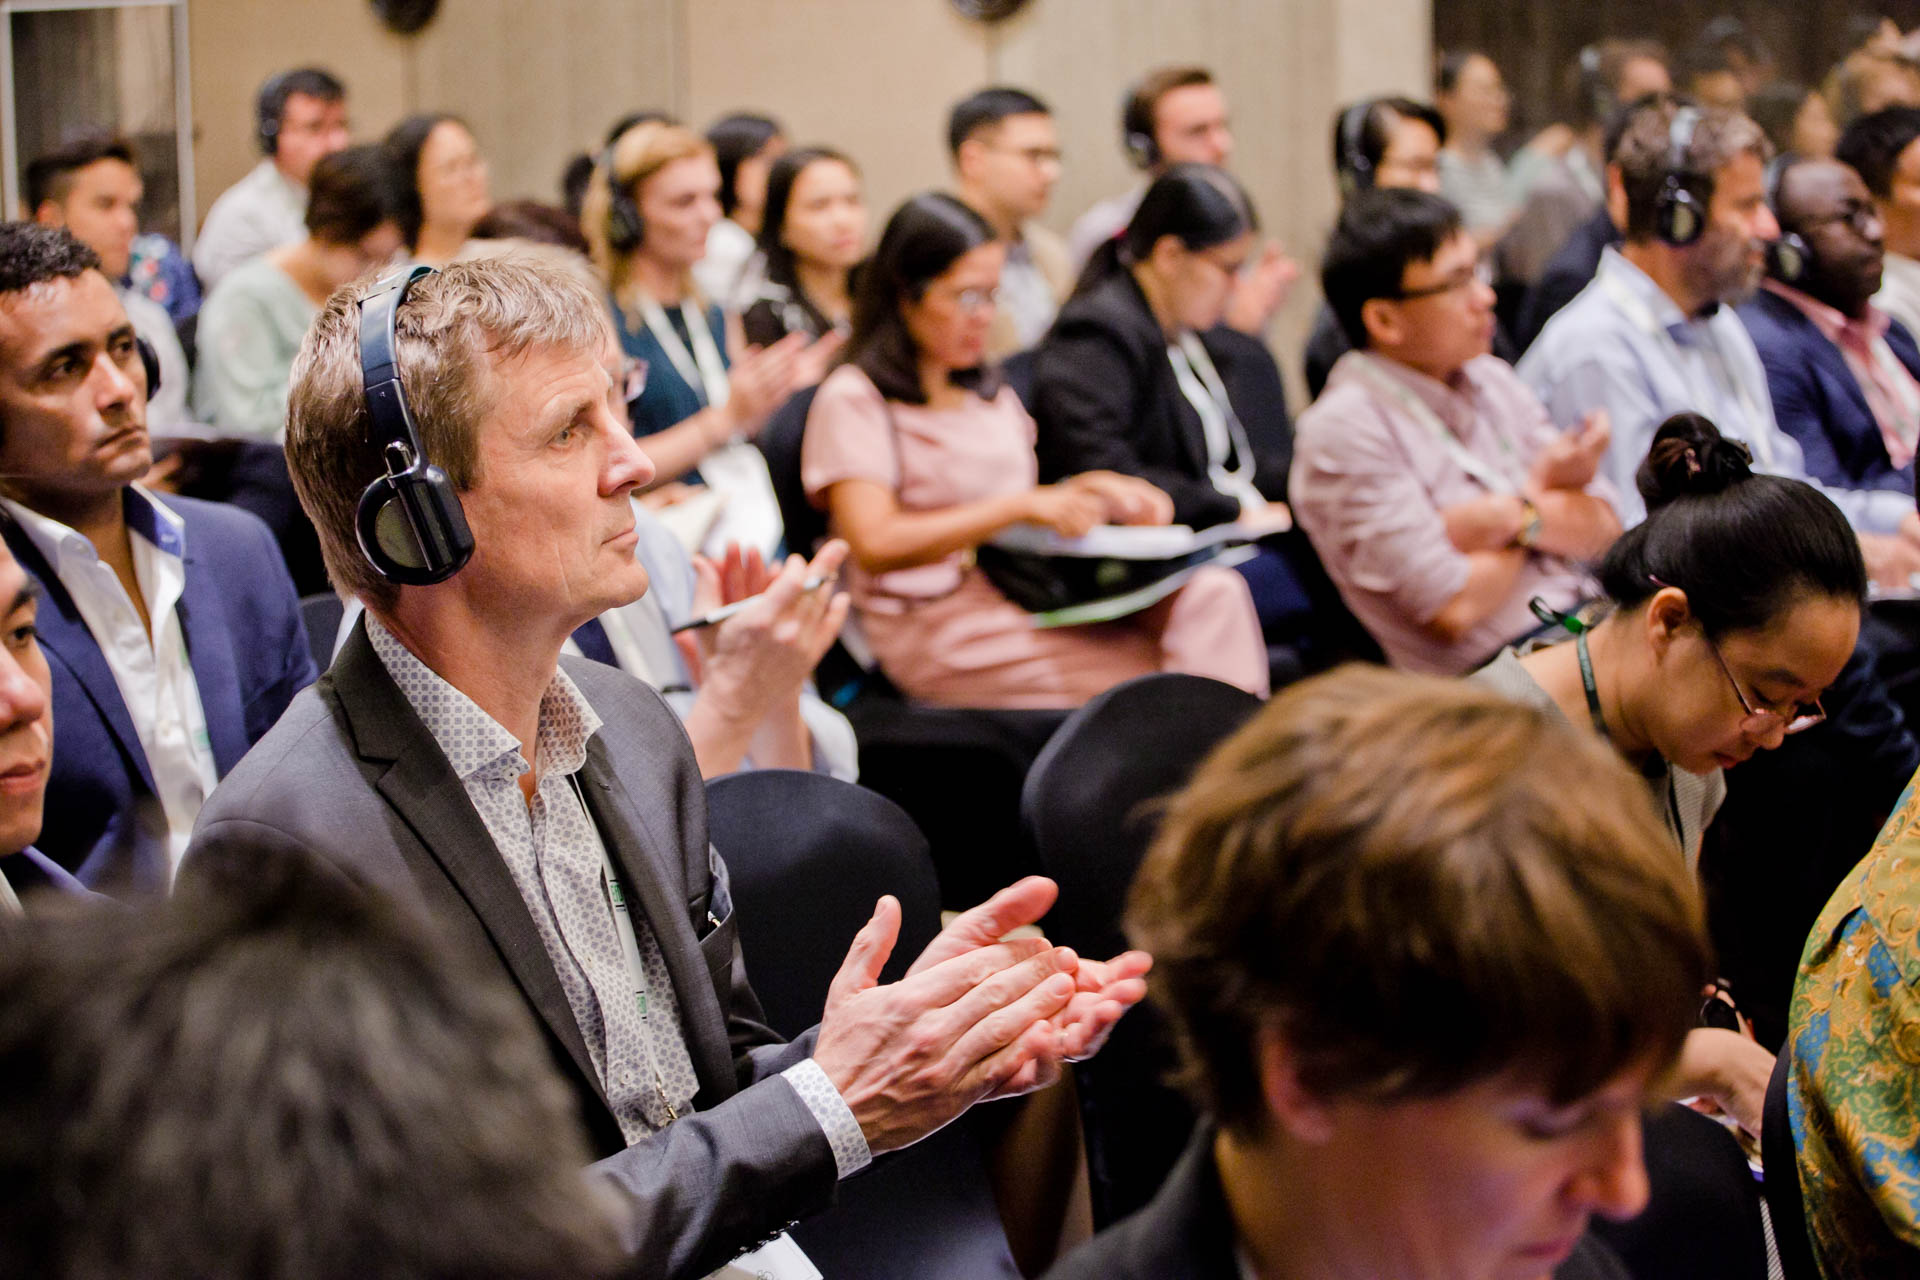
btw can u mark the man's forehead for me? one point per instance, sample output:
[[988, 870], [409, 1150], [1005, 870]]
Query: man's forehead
[[1820, 184], [54, 313]]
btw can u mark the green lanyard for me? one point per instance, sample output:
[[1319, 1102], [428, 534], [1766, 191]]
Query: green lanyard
[[1586, 681]]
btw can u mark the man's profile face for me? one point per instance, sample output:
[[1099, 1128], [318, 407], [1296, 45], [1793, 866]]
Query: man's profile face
[[1017, 162], [1190, 126], [26, 711], [102, 209], [310, 128], [550, 511], [1725, 264], [1828, 204], [73, 394]]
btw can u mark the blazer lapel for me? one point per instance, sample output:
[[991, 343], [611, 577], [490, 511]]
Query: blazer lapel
[[63, 633], [210, 651], [423, 789], [638, 857]]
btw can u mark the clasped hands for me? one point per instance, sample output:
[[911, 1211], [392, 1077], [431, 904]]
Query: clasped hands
[[979, 1015]]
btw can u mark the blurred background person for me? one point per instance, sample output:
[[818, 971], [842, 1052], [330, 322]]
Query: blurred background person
[[812, 235], [745, 145], [1006, 160], [440, 185], [1472, 97], [1881, 149]]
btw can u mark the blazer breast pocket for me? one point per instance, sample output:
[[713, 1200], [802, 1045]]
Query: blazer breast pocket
[[716, 948]]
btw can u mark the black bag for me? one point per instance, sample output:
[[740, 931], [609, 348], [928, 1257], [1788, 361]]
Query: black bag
[[1042, 584]]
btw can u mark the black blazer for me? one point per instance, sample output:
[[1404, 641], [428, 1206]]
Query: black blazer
[[1105, 399], [1185, 1233], [350, 775]]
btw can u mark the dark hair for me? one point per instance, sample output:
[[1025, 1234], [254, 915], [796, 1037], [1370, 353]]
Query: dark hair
[[1381, 233], [353, 191], [1448, 66], [404, 143], [573, 183], [50, 175], [531, 220], [1872, 145], [1774, 107], [646, 115], [1375, 131], [31, 254], [987, 108], [735, 138], [786, 171], [281, 1075], [1745, 547], [1197, 204], [924, 238], [270, 103]]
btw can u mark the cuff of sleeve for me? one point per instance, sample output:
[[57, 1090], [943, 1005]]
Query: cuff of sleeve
[[850, 1153], [1882, 510]]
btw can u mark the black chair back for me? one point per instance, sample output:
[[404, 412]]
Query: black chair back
[[1782, 1181], [320, 615], [779, 442], [808, 855]]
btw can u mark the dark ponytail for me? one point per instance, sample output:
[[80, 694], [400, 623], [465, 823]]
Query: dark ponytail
[[1198, 204], [1744, 547]]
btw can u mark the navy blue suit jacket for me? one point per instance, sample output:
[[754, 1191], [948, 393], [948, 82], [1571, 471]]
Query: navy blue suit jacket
[[1818, 401], [249, 654]]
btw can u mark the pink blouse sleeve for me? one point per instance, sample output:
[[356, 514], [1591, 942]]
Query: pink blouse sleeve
[[849, 436]]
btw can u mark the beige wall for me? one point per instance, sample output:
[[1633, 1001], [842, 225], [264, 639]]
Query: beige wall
[[540, 79]]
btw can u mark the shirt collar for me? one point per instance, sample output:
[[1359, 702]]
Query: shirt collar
[[1838, 327], [152, 520], [1451, 399], [1665, 311], [476, 745]]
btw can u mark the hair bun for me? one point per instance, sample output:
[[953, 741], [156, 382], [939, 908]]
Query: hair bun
[[1690, 457]]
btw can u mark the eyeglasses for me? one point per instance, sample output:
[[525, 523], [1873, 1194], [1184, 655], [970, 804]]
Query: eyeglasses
[[1861, 218], [1035, 156], [974, 299], [1466, 277], [1761, 721]]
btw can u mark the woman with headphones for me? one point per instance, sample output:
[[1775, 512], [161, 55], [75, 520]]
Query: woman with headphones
[[650, 205]]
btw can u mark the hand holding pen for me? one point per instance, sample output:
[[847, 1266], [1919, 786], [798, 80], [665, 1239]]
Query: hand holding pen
[[758, 632]]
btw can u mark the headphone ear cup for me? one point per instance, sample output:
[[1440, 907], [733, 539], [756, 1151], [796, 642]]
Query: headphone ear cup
[[1787, 258], [1141, 149], [412, 528], [150, 362], [1678, 220]]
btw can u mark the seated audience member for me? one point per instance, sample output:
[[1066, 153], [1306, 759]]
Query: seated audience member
[[652, 203], [26, 748], [918, 453], [523, 799], [1851, 1100], [254, 319], [1796, 120], [1428, 956], [1472, 98], [1177, 115], [1384, 143], [367, 1103], [1841, 372], [1566, 182], [812, 235], [1881, 148], [160, 273], [1871, 80], [92, 187], [1439, 496], [1712, 75], [439, 185], [745, 146], [1654, 334], [1006, 158], [532, 222], [171, 626], [299, 116]]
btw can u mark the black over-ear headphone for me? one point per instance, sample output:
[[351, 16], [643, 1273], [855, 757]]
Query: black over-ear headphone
[[410, 524], [1136, 129], [150, 362], [1678, 218], [267, 108], [1350, 162], [626, 229], [1789, 256]]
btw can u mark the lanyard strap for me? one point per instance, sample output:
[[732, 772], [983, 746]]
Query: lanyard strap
[[1586, 680], [701, 369], [1496, 479], [1200, 382]]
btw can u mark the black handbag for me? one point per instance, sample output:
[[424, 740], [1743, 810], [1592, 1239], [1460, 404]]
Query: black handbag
[[1043, 583]]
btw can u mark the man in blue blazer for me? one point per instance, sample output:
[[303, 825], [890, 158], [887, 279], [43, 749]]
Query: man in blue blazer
[[171, 628], [1844, 377]]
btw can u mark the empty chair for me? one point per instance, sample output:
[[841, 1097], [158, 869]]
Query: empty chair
[[808, 856]]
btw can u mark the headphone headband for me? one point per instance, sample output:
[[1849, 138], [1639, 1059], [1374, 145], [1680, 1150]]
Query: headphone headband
[[1352, 166], [390, 420]]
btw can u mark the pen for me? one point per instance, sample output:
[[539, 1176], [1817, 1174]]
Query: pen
[[727, 611]]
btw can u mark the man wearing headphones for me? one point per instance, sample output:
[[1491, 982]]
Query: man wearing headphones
[[299, 116], [456, 437], [171, 626], [1655, 333]]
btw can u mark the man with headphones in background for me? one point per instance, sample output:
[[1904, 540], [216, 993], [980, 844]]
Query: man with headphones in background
[[171, 625], [456, 437], [1177, 115], [299, 116]]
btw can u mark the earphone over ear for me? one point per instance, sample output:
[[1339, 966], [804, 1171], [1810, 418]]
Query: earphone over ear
[[1789, 256], [1136, 130], [410, 524], [626, 229], [150, 363], [1351, 163], [1678, 218], [268, 105]]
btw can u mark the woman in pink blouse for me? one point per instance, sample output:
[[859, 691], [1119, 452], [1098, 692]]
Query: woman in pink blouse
[[918, 454]]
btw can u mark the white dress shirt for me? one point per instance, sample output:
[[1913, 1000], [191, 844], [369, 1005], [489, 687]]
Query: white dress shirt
[[150, 668], [262, 211]]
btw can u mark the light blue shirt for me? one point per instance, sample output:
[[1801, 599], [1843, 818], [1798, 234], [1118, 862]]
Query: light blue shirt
[[1623, 345]]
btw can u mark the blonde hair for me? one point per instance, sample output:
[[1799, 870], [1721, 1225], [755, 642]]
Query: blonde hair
[[1418, 884], [456, 326], [637, 155]]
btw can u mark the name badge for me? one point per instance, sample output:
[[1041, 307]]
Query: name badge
[[778, 1259]]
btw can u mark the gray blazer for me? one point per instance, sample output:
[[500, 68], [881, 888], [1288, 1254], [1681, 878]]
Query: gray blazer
[[350, 774]]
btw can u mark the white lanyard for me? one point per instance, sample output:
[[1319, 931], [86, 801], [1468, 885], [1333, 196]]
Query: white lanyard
[[1758, 425], [1495, 479], [1200, 382], [702, 369]]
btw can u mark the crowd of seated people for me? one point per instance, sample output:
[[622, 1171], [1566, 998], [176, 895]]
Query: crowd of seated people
[[1609, 447]]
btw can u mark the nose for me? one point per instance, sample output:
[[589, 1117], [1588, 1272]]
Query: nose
[[627, 467], [1765, 225], [1772, 736], [23, 699], [1614, 1181], [116, 385]]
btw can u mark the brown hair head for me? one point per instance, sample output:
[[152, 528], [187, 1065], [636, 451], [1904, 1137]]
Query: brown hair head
[[1645, 156], [637, 155]]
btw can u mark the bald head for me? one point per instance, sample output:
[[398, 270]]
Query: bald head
[[1827, 204]]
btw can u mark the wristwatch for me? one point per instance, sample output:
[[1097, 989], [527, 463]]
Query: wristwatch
[[1530, 526]]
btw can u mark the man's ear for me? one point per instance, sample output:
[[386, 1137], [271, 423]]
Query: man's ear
[[1299, 1112], [50, 214], [1381, 319]]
